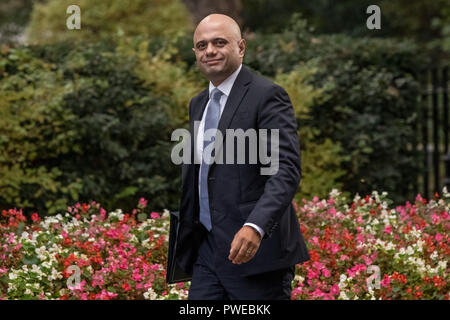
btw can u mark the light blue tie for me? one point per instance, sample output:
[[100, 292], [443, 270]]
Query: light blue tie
[[211, 122]]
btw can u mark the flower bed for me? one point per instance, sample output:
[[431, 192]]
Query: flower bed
[[123, 256], [406, 248], [118, 256]]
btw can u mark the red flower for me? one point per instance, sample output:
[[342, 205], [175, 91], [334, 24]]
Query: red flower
[[35, 217], [126, 286], [314, 255], [438, 281], [85, 207]]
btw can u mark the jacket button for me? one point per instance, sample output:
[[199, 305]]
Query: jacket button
[[211, 178]]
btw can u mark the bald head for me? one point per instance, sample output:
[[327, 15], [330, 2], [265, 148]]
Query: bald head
[[226, 23], [218, 46]]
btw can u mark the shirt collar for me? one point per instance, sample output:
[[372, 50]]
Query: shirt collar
[[227, 84]]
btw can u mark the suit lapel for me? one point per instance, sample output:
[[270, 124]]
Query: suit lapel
[[237, 93]]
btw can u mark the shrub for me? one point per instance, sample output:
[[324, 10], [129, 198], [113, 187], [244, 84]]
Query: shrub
[[91, 122], [107, 19], [367, 103]]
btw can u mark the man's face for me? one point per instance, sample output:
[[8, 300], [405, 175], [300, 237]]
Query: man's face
[[218, 50]]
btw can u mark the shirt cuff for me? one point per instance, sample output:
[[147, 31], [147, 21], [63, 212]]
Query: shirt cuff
[[254, 226]]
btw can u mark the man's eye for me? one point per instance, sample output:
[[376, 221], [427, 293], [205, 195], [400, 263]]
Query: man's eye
[[220, 43], [201, 46]]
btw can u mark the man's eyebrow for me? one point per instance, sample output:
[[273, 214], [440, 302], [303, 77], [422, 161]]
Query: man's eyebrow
[[215, 39]]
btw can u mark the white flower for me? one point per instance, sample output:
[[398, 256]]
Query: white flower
[[150, 294], [409, 250], [12, 276], [442, 265], [299, 278], [343, 295], [36, 269]]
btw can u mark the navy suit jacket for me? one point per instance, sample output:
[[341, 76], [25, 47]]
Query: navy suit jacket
[[238, 193]]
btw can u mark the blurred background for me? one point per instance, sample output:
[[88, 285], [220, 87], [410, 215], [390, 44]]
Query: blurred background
[[87, 115]]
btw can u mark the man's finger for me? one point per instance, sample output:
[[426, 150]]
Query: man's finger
[[235, 247], [244, 252]]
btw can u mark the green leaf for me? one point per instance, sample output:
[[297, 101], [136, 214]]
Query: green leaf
[[142, 216], [30, 259]]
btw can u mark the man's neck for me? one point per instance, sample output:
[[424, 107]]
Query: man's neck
[[217, 82]]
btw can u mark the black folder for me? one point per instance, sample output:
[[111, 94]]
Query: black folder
[[174, 273]]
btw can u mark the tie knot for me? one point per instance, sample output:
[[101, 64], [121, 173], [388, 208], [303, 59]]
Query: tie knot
[[216, 94]]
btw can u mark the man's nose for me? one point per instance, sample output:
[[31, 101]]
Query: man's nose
[[210, 49]]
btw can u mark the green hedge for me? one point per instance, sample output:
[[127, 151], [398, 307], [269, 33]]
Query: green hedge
[[367, 103], [84, 125]]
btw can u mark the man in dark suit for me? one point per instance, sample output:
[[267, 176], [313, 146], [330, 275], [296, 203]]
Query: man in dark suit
[[239, 236]]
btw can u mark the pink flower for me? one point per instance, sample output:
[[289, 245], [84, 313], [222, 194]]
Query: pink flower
[[317, 265], [343, 257], [315, 240], [366, 260], [78, 286], [335, 248], [318, 293], [97, 280], [154, 267], [435, 219], [297, 291], [326, 273], [154, 215], [386, 281], [438, 237], [388, 229], [103, 213], [335, 290], [312, 274], [332, 211], [142, 203]]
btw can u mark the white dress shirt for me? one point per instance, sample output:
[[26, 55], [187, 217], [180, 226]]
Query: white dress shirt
[[225, 87]]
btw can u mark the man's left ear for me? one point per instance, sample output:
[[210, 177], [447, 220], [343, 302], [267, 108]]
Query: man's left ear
[[242, 45]]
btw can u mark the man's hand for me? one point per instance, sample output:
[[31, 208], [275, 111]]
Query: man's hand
[[244, 246]]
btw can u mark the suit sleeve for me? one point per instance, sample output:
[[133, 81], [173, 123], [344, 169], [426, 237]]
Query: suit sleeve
[[276, 112]]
